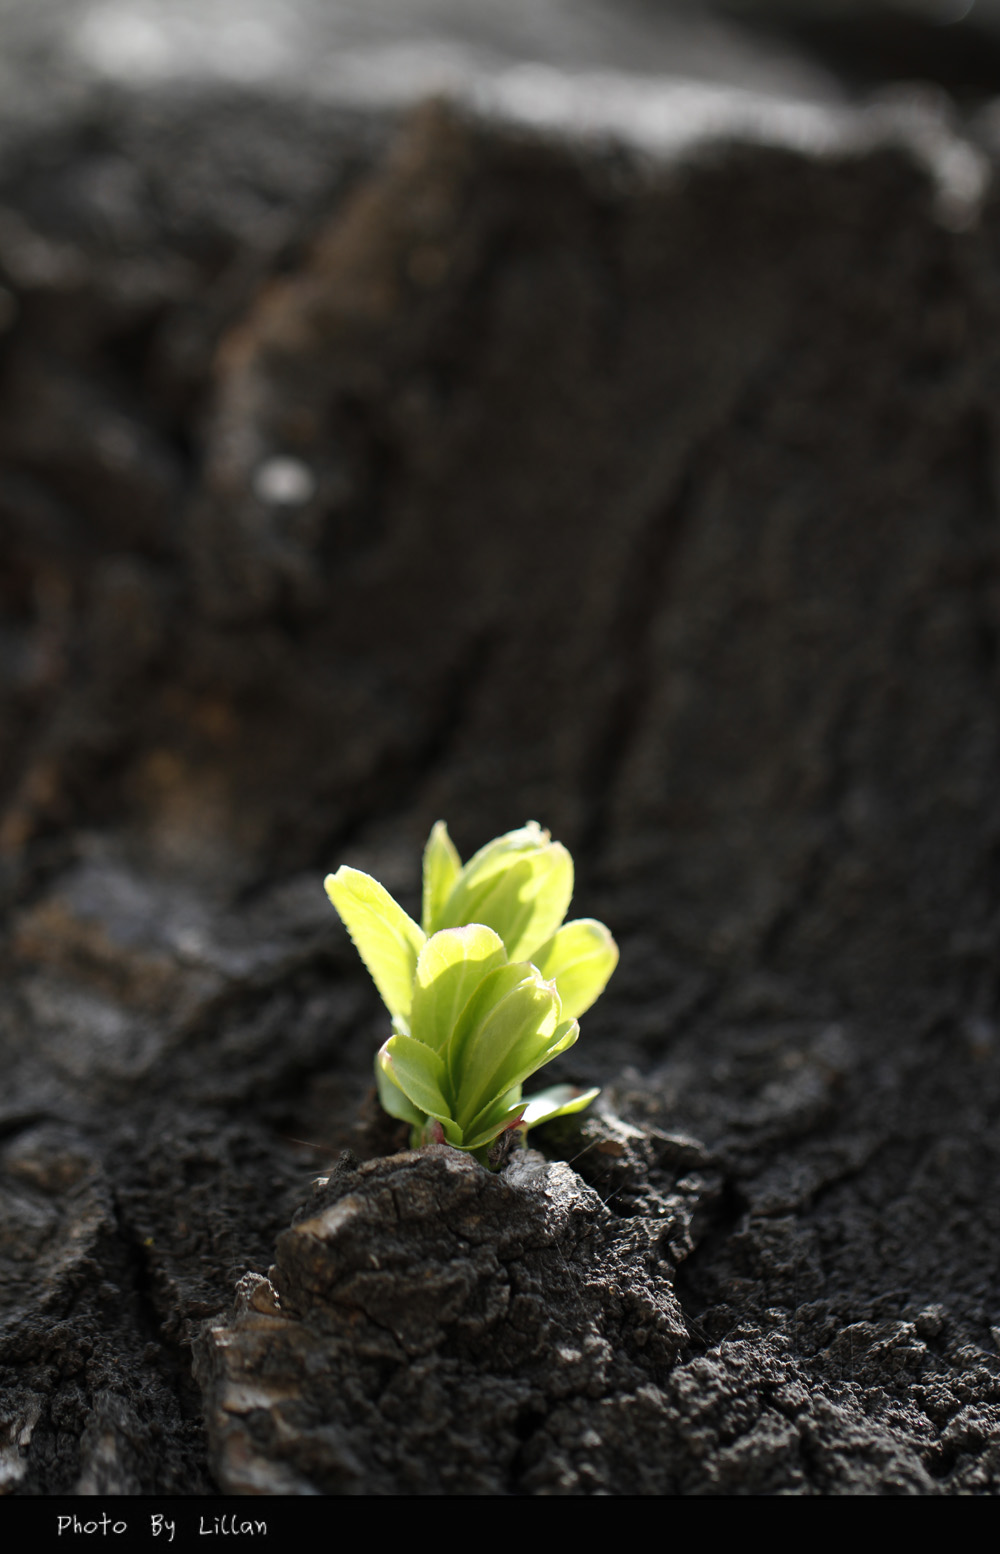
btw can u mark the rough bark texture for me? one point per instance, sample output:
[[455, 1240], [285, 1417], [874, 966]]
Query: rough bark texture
[[342, 488]]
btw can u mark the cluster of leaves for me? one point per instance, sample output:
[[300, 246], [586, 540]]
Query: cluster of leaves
[[484, 991]]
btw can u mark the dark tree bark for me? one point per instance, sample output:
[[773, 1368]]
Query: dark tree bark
[[351, 485]]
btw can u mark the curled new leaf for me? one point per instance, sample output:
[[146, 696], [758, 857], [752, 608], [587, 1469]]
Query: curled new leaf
[[450, 967], [503, 1034], [520, 885]]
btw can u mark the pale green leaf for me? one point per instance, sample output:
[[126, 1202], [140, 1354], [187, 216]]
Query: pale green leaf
[[556, 1101], [420, 1074], [392, 1097], [579, 958], [520, 885], [442, 866], [450, 967], [386, 938]]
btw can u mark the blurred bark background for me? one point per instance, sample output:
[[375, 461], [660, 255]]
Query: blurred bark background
[[615, 447]]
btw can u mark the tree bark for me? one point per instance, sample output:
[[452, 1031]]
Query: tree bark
[[489, 476]]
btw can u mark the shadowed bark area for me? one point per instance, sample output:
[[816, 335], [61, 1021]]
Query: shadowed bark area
[[457, 473]]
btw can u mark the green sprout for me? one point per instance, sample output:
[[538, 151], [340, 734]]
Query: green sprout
[[484, 991]]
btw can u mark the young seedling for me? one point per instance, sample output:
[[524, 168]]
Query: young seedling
[[484, 991]]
